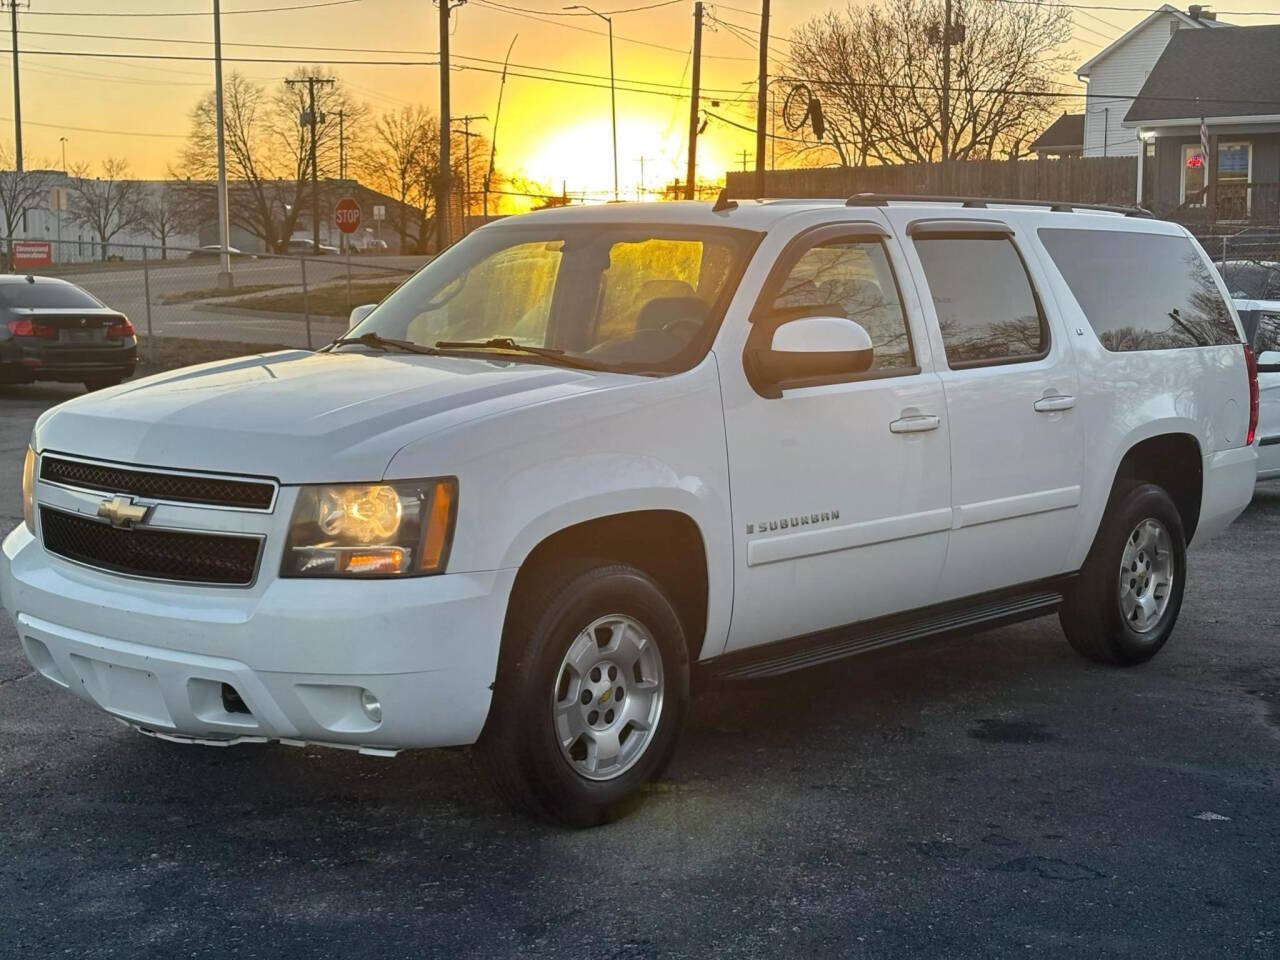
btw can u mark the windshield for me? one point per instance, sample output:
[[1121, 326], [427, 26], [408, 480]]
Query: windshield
[[43, 295], [645, 299], [1252, 280]]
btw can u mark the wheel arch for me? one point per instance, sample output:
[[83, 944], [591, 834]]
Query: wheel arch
[[666, 542]]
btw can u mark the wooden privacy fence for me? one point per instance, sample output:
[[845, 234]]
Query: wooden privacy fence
[[1076, 179]]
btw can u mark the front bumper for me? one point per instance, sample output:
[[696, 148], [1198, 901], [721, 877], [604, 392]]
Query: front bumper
[[298, 654]]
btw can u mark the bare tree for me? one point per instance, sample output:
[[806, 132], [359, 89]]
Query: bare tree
[[877, 71], [21, 191], [268, 154], [402, 144], [109, 204], [161, 215]]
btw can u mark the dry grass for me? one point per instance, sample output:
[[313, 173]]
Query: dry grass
[[328, 301], [170, 353]]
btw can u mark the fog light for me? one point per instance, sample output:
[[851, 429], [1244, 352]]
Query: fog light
[[372, 708]]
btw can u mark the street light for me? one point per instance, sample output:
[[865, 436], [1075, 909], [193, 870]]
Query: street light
[[613, 93]]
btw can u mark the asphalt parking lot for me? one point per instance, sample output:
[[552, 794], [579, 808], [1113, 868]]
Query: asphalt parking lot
[[995, 796]]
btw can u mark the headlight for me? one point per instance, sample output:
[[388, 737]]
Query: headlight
[[403, 528], [29, 491]]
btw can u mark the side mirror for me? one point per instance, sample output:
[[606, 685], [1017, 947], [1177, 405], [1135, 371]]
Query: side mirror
[[808, 352], [360, 312], [1269, 361]]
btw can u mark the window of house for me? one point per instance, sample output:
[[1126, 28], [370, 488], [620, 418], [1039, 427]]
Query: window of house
[[1234, 163], [1142, 291], [850, 279], [987, 309]]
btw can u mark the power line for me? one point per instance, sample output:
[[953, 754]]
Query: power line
[[1094, 6], [484, 4], [186, 13], [113, 133], [565, 13]]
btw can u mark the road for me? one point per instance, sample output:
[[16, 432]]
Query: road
[[125, 289], [993, 797]]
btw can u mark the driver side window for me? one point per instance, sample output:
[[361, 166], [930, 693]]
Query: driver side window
[[850, 279]]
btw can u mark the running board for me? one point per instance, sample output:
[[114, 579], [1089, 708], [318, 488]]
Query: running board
[[778, 658]]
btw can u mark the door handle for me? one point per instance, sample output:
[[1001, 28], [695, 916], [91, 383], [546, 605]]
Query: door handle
[[1054, 404], [916, 424]]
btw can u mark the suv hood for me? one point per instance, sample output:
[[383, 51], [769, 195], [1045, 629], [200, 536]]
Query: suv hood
[[297, 416]]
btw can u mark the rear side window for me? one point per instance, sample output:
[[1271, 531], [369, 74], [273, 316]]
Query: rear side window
[[850, 279], [987, 310], [1142, 291]]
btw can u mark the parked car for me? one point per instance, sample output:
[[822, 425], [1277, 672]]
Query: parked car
[[588, 455], [1261, 321], [1252, 279], [370, 246], [210, 250], [54, 330], [306, 248]]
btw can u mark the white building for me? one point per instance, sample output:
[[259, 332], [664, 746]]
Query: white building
[[1116, 75]]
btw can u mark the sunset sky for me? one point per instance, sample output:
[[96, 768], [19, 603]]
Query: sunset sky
[[550, 132]]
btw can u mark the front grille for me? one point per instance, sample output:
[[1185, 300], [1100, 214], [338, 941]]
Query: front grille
[[145, 552], [184, 488]]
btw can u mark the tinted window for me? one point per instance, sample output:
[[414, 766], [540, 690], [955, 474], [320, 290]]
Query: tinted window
[[46, 295], [1141, 291], [987, 310], [850, 279]]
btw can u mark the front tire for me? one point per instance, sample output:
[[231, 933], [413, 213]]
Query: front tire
[[590, 697], [1125, 604]]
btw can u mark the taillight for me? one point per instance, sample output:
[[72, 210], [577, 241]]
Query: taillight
[[1251, 363], [27, 328], [120, 331]]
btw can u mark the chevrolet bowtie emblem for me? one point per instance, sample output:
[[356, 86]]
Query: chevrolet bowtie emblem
[[122, 512]]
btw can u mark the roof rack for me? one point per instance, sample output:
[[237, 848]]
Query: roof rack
[[1056, 206]]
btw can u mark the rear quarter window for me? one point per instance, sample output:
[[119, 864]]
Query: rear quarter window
[[1142, 291]]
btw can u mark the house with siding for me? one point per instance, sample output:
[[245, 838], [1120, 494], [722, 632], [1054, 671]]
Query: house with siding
[[1229, 81], [1116, 74]]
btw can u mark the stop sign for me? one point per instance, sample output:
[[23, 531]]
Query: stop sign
[[346, 215]]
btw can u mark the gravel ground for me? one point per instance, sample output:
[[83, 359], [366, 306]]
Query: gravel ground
[[995, 796]]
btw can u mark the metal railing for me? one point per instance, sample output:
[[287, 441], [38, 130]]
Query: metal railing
[[174, 292]]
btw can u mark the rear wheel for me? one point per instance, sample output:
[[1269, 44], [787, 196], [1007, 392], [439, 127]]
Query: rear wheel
[[590, 695], [1125, 604]]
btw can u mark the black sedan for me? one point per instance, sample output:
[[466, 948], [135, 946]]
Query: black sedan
[[52, 330]]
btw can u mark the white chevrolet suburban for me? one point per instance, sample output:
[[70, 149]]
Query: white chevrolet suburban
[[587, 455]]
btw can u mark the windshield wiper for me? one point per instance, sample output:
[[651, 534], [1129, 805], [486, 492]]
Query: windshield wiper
[[511, 346], [379, 342]]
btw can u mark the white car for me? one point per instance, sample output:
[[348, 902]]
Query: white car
[[1261, 320], [588, 454]]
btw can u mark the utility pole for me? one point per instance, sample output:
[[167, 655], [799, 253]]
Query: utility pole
[[63, 141], [762, 99], [745, 154], [640, 189], [224, 217], [613, 93], [17, 96], [693, 100], [17, 92], [342, 146], [313, 119], [466, 171], [446, 127]]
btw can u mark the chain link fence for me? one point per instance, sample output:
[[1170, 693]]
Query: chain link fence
[[180, 294]]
